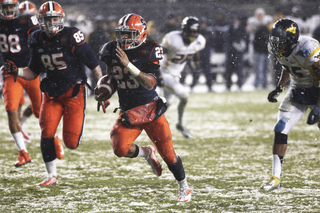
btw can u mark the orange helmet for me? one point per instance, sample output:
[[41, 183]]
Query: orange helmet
[[8, 13], [47, 10], [27, 7], [131, 31]]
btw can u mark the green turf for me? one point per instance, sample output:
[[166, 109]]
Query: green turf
[[226, 163]]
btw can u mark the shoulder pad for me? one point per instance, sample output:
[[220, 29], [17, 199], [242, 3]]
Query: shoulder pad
[[307, 46], [153, 50], [107, 50], [32, 39]]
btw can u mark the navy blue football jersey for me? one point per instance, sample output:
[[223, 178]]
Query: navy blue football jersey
[[63, 58], [146, 59], [14, 37]]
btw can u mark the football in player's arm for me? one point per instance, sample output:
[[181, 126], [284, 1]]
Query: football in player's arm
[[300, 59], [133, 61], [62, 53]]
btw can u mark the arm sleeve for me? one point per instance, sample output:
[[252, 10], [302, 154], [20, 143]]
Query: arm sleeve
[[86, 55], [82, 50]]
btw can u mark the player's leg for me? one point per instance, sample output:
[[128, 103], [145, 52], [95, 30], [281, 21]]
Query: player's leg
[[122, 139], [74, 117], [50, 115], [33, 91], [160, 134], [12, 92], [288, 116], [172, 87], [182, 93]]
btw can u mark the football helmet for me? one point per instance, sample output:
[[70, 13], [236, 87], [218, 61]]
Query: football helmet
[[7, 13], [190, 28], [47, 12], [283, 37], [131, 31], [27, 7]]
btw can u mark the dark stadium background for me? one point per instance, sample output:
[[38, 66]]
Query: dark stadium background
[[159, 9]]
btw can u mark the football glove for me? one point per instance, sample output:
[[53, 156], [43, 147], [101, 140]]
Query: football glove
[[313, 116], [103, 104], [11, 69], [273, 95]]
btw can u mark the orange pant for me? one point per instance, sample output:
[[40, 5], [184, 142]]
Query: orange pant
[[158, 131], [13, 93], [73, 111]]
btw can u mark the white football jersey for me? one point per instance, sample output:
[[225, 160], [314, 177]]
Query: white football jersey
[[299, 62], [175, 59]]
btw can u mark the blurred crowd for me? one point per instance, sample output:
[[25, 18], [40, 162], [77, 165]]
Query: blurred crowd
[[236, 50]]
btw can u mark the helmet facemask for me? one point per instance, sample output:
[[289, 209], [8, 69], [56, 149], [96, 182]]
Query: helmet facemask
[[283, 37], [190, 29], [50, 25], [279, 47], [9, 13], [128, 38]]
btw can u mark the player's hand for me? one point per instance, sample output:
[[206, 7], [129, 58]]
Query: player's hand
[[313, 116], [104, 105], [273, 95], [11, 69], [124, 60]]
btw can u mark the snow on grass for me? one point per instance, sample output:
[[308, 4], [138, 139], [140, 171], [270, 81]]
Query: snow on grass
[[226, 163]]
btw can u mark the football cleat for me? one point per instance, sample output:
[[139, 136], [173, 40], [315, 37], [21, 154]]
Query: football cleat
[[26, 137], [23, 158], [151, 158], [184, 194], [273, 183], [58, 147], [184, 131], [49, 181]]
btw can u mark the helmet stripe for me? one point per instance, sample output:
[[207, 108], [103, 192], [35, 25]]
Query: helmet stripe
[[126, 19], [51, 6]]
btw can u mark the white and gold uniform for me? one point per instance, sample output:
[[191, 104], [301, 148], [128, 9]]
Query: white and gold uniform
[[299, 65], [174, 61]]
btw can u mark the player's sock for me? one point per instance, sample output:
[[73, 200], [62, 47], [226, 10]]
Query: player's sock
[[23, 119], [276, 165], [51, 168], [18, 138], [141, 153]]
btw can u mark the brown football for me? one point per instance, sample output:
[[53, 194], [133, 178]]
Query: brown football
[[106, 85]]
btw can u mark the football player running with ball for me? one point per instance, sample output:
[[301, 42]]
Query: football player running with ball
[[300, 59], [61, 52], [178, 47], [134, 62]]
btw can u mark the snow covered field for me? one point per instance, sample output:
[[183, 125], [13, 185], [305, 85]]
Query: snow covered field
[[226, 163]]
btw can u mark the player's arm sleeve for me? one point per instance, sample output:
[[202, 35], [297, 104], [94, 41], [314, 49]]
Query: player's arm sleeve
[[106, 51], [33, 24], [35, 61], [86, 55]]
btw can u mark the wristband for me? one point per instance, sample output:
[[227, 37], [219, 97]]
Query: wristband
[[133, 69], [20, 72]]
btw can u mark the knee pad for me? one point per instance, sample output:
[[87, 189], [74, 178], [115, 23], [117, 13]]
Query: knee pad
[[280, 138], [47, 149], [280, 125]]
